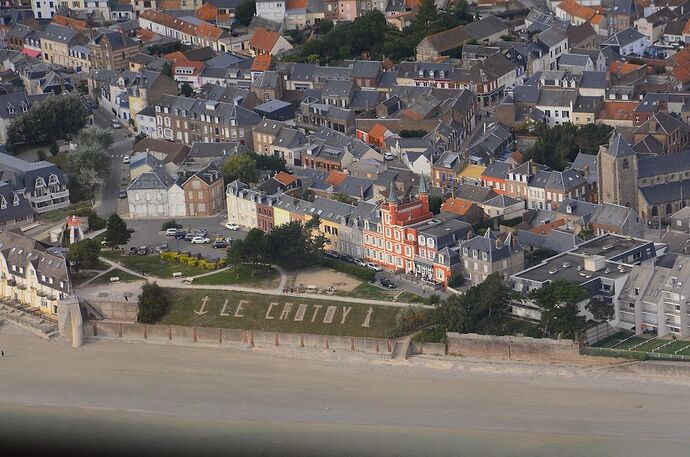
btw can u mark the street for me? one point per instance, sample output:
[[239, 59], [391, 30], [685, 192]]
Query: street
[[107, 201], [109, 398]]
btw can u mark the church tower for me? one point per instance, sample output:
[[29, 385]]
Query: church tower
[[617, 166]]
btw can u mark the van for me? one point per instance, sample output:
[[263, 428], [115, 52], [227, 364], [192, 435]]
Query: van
[[171, 232]]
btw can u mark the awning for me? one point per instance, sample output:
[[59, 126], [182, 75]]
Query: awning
[[31, 52]]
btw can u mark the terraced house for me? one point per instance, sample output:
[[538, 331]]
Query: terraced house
[[32, 275]]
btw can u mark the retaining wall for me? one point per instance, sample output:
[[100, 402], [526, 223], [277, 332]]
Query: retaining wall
[[511, 348]]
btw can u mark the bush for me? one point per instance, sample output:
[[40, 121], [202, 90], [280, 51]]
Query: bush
[[434, 299], [170, 224], [410, 320], [456, 280], [434, 334], [96, 222], [349, 268], [153, 303]]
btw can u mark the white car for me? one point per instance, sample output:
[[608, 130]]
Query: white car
[[360, 262], [200, 240], [116, 124], [374, 267], [388, 156], [232, 226], [126, 159]]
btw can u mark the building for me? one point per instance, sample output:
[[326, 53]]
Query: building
[[155, 194], [12, 105], [43, 183], [204, 193], [491, 253], [112, 51], [31, 274], [56, 42]]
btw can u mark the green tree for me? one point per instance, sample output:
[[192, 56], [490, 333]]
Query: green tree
[[295, 244], [154, 302], [167, 69], [116, 233], [556, 146], [54, 148], [57, 117], [245, 11], [41, 155], [140, 136], [186, 89], [600, 310], [242, 167], [89, 164], [344, 198], [269, 162], [251, 251], [84, 253], [560, 315], [325, 26], [435, 203]]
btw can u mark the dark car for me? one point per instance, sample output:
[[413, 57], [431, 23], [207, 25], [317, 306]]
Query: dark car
[[143, 250], [122, 194], [131, 229], [219, 244], [132, 250], [347, 258], [388, 284], [181, 235], [331, 254]]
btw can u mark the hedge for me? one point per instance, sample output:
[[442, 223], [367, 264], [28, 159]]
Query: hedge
[[192, 261], [349, 268]]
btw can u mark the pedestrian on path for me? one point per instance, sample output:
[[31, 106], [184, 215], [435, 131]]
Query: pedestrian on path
[[2, 354]]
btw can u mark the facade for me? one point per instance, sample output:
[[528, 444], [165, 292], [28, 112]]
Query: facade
[[31, 275], [491, 253], [204, 192], [155, 194], [112, 51]]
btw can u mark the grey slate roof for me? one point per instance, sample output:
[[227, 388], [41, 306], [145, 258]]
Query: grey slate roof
[[665, 193], [663, 164], [594, 80], [157, 178], [487, 244], [59, 33], [618, 147], [623, 38], [485, 27], [23, 174]]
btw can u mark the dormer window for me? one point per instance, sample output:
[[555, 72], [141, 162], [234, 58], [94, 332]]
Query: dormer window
[[3, 203], [15, 201], [10, 109]]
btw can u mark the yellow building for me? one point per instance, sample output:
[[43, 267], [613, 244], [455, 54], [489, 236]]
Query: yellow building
[[55, 46], [30, 275], [471, 174]]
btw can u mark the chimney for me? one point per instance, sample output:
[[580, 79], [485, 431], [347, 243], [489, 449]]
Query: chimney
[[586, 171]]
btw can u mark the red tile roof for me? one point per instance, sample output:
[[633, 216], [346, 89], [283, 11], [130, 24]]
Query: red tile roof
[[456, 206], [264, 39], [284, 178], [262, 62], [336, 178]]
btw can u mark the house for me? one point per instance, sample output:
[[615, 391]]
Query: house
[[204, 192], [465, 211], [504, 207], [628, 42], [557, 105], [12, 105], [56, 41], [43, 183], [488, 29], [112, 50], [32, 274], [271, 10], [155, 194], [434, 46], [575, 63], [622, 16], [491, 253], [268, 42], [15, 208], [582, 36], [653, 26]]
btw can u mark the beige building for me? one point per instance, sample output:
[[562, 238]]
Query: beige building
[[31, 275], [55, 46], [112, 51]]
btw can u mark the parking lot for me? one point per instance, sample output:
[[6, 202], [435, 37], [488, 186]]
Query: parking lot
[[148, 233]]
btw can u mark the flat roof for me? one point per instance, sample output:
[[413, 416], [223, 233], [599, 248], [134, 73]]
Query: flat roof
[[565, 267], [610, 246]]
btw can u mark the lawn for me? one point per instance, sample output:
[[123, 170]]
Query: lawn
[[650, 345], [291, 314], [264, 276], [369, 291], [409, 297], [673, 347], [151, 264], [630, 342], [612, 340], [62, 213], [105, 278]]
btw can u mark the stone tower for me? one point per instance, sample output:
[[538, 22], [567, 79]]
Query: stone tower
[[617, 164]]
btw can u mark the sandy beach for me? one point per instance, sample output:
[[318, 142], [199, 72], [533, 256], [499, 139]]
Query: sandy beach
[[133, 399]]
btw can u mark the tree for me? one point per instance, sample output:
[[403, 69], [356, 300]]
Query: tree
[[116, 233], [600, 310], [245, 11], [344, 198], [325, 26], [295, 244], [269, 162], [57, 117], [89, 164], [186, 89], [556, 146], [251, 251], [241, 167], [560, 315], [170, 224], [167, 70], [435, 203], [154, 302], [84, 253], [139, 136]]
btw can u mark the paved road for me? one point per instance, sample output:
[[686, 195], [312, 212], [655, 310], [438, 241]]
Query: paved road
[[112, 397], [107, 202]]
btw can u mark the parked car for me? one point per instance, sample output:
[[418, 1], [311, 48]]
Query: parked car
[[116, 124], [388, 156], [122, 194], [332, 254], [200, 240], [132, 250], [181, 235], [232, 226], [374, 267], [201, 232], [347, 258], [220, 244], [189, 236], [143, 250], [388, 284], [171, 232], [361, 263], [163, 246], [126, 159]]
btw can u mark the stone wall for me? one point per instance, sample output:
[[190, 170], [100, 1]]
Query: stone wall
[[116, 310], [511, 348]]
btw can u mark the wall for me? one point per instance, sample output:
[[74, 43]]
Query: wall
[[116, 310], [511, 348]]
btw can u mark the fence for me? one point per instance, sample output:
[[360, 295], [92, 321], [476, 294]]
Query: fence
[[635, 355], [598, 332]]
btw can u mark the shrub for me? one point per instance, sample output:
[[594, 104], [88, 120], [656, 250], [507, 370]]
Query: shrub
[[434, 334], [349, 268], [434, 299], [153, 303], [410, 320]]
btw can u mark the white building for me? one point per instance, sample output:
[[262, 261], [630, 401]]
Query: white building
[[155, 194], [273, 10]]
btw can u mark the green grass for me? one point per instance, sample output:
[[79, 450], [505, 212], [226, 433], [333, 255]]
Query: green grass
[[650, 345], [264, 276], [673, 347], [62, 213], [409, 297], [256, 306], [105, 278], [631, 342], [612, 339], [151, 264], [369, 291]]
